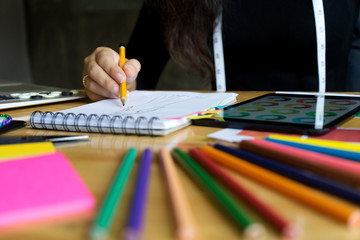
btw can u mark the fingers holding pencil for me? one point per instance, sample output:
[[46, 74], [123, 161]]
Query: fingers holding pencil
[[131, 69], [102, 74]]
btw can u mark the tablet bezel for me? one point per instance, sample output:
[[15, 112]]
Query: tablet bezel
[[264, 125]]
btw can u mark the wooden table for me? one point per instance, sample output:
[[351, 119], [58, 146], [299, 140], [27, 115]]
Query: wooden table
[[97, 160]]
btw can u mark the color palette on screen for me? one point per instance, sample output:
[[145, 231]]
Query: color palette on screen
[[292, 109]]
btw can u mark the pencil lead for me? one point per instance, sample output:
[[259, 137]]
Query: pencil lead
[[123, 100]]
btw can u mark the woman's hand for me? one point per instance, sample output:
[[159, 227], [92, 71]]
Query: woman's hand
[[103, 75]]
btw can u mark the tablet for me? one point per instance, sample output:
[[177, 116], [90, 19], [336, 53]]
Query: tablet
[[18, 94], [288, 113]]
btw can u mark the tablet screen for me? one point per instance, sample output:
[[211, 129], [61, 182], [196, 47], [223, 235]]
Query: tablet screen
[[293, 109]]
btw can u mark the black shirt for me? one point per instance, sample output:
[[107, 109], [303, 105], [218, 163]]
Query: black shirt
[[268, 45]]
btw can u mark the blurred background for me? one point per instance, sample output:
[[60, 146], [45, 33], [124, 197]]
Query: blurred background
[[46, 41]]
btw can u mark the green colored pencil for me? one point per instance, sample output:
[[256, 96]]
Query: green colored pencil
[[240, 215], [104, 218]]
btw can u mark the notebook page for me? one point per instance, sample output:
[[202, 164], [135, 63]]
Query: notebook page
[[162, 104]]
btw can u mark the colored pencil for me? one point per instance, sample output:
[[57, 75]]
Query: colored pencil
[[352, 155], [186, 227], [340, 168], [251, 229], [308, 178], [320, 142], [123, 90], [336, 208], [105, 215], [137, 210], [282, 225]]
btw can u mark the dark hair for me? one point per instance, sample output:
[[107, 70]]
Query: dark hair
[[188, 28]]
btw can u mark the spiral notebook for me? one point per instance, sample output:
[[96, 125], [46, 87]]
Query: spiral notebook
[[145, 113]]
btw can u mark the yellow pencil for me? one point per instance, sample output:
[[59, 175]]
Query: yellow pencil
[[123, 90]]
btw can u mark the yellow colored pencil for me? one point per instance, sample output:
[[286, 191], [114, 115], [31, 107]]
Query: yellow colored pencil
[[123, 90], [324, 203], [319, 142]]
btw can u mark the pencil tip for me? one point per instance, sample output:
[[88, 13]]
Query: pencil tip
[[254, 231], [292, 232], [123, 100]]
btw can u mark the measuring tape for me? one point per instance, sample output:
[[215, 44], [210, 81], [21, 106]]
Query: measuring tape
[[219, 56], [320, 40], [319, 15]]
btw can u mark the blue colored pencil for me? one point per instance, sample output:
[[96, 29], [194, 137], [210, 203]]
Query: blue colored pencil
[[106, 213], [305, 177], [326, 150], [136, 215]]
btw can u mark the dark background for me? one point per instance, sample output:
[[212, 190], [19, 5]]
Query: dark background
[[45, 42], [63, 32]]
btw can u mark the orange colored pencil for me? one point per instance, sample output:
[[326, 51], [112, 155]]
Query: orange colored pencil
[[186, 229], [319, 201]]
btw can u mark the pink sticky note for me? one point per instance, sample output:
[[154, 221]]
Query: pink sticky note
[[40, 187]]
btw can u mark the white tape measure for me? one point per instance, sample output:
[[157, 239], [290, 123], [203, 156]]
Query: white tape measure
[[320, 40], [219, 56], [319, 15], [319, 111]]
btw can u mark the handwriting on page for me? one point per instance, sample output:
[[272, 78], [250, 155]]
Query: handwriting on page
[[162, 104], [158, 106]]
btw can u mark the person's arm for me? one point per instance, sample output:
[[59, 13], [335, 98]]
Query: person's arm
[[147, 45]]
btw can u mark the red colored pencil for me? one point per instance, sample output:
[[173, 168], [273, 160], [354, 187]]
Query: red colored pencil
[[341, 169], [284, 227]]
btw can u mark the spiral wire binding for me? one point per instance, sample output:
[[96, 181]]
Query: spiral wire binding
[[76, 123], [32, 116], [99, 123], [124, 122], [112, 122], [99, 127], [88, 120], [137, 125], [42, 121], [53, 120], [65, 121], [150, 125]]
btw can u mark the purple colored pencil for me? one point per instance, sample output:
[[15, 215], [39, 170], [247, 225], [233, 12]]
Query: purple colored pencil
[[135, 218]]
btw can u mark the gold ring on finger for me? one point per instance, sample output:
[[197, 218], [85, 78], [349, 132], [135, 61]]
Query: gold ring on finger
[[84, 80]]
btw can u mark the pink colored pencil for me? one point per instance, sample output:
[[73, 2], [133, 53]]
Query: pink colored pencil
[[283, 226], [339, 168]]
